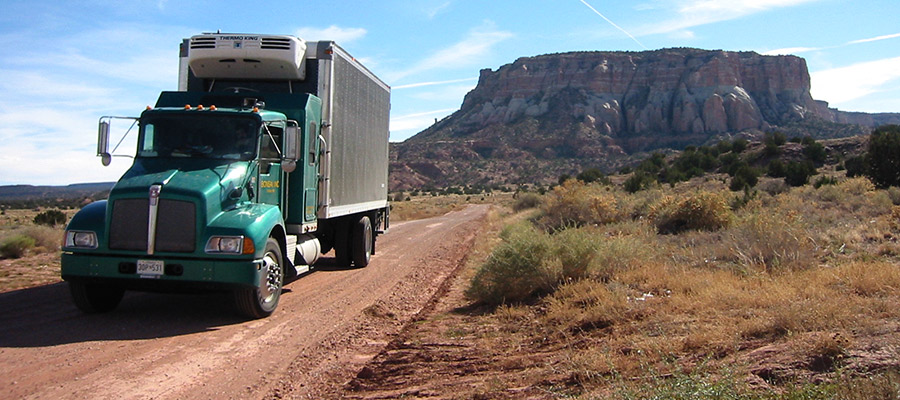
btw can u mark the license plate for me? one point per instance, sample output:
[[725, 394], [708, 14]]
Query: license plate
[[150, 267]]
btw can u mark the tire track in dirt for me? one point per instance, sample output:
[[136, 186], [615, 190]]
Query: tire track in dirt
[[329, 323]]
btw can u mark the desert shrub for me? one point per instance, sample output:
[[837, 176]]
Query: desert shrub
[[814, 152], [798, 173], [574, 204], [744, 177], [640, 180], [576, 250], [526, 201], [15, 246], [773, 186], [592, 175], [855, 166], [50, 218], [884, 156], [769, 241], [516, 269], [45, 237], [739, 145], [776, 169], [705, 211], [893, 193]]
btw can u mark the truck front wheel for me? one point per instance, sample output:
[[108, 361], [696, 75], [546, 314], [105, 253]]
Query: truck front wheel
[[361, 241], [261, 301], [92, 298]]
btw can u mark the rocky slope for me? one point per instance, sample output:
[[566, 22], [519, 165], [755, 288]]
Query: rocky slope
[[541, 116]]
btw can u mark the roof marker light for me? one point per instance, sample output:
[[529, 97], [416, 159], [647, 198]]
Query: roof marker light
[[187, 106], [200, 106], [256, 109], [212, 108], [149, 108]]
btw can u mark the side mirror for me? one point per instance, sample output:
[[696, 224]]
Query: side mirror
[[291, 148], [103, 143]]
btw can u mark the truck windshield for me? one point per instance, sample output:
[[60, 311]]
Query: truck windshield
[[203, 136]]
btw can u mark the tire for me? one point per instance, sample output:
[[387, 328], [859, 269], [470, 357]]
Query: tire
[[92, 299], [361, 241], [261, 301]]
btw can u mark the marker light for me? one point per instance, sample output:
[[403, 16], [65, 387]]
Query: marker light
[[200, 107], [256, 109], [212, 108], [187, 106], [149, 108]]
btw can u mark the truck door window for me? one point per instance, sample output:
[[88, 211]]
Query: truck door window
[[147, 145]]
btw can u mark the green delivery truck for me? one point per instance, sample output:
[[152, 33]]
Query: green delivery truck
[[273, 151]]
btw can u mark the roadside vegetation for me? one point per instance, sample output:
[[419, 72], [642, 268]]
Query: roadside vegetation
[[699, 288]]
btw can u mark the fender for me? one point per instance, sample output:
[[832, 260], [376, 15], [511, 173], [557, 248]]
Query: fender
[[91, 218], [255, 221]]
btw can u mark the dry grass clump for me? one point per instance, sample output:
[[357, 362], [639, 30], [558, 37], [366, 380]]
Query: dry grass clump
[[575, 203], [769, 241], [807, 269], [28, 239], [706, 211]]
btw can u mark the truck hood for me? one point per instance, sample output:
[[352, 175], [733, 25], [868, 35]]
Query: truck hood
[[187, 179]]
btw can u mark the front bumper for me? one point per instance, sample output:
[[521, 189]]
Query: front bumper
[[181, 274]]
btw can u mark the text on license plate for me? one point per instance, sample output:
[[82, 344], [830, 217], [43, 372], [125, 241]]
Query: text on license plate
[[150, 267]]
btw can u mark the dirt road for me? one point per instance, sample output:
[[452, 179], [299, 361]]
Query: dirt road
[[328, 325]]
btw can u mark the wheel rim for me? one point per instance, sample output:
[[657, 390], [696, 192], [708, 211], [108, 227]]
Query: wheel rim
[[367, 234], [270, 288]]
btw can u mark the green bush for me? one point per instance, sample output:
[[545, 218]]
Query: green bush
[[640, 180], [798, 173], [576, 250], [884, 156], [592, 175], [516, 269], [50, 218], [16, 246]]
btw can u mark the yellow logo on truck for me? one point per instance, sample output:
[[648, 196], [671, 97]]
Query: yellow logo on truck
[[269, 184]]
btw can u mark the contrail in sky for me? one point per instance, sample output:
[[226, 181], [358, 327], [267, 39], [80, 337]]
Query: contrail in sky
[[613, 23]]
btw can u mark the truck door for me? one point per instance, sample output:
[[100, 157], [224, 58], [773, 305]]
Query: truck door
[[310, 165], [270, 175]]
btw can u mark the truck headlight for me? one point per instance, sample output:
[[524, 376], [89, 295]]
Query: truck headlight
[[230, 244], [81, 239]]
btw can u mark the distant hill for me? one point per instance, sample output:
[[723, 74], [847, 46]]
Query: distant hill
[[29, 195], [539, 117]]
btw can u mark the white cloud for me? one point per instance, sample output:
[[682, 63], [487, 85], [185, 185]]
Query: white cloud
[[471, 50], [875, 39], [790, 50], [434, 83], [434, 11], [840, 85], [333, 32], [404, 126], [691, 13]]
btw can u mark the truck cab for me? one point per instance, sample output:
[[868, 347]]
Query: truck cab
[[230, 186]]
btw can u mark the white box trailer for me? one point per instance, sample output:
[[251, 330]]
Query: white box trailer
[[355, 105]]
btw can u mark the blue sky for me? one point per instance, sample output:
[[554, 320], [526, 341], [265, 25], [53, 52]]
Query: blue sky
[[66, 63]]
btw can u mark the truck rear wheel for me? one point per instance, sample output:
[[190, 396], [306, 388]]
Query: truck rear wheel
[[361, 241], [92, 298], [261, 301]]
